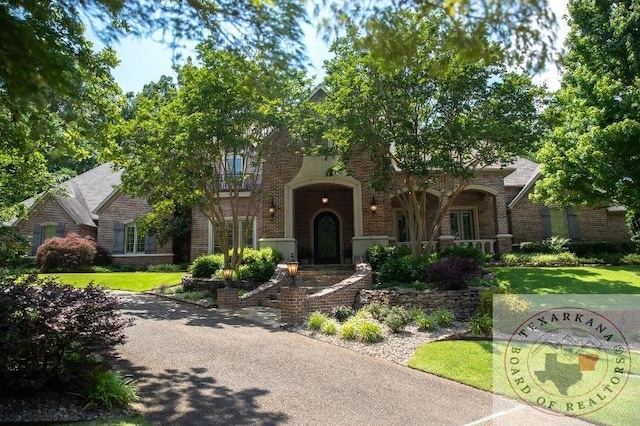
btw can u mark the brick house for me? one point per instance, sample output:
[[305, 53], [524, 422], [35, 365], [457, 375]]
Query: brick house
[[91, 204], [332, 219], [325, 219]]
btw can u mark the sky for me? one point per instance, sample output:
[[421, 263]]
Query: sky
[[144, 61]]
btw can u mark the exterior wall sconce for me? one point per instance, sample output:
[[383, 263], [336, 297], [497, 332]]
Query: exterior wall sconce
[[227, 273], [374, 205], [272, 208], [325, 200], [292, 270]]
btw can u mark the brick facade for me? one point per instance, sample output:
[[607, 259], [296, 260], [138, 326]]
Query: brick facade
[[121, 208], [49, 212], [594, 224]]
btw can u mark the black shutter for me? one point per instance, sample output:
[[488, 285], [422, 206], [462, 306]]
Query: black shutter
[[60, 230], [545, 216], [150, 243], [573, 223], [118, 238], [37, 239]]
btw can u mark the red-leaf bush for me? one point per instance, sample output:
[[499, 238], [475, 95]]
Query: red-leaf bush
[[54, 336], [72, 252], [452, 273]]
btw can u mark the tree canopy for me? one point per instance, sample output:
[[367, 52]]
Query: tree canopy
[[201, 142], [430, 119], [593, 154]]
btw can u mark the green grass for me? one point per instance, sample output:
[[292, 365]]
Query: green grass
[[471, 363], [129, 281], [571, 280]]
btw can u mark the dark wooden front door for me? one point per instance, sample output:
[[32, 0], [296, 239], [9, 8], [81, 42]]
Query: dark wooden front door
[[326, 232]]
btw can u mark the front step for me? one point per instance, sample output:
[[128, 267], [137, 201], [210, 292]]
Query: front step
[[315, 278], [322, 275]]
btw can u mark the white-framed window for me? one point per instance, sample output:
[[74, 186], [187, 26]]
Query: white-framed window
[[250, 241], [464, 224], [134, 239], [235, 165]]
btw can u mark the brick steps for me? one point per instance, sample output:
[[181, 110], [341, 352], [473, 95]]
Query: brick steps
[[314, 278]]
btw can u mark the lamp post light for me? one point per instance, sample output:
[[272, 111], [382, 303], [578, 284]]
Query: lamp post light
[[292, 270], [227, 273]]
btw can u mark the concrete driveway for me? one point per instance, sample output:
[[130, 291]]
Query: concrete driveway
[[199, 366]]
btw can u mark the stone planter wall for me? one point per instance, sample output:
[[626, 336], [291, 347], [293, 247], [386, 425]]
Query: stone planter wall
[[463, 303]]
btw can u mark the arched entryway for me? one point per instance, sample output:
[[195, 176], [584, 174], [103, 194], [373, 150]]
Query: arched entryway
[[326, 237]]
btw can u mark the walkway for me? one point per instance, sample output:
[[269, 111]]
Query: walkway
[[197, 366]]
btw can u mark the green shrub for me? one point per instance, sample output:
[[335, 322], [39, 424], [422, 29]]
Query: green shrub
[[206, 265], [552, 245], [377, 254], [330, 327], [486, 299], [426, 323], [443, 317], [395, 321], [558, 259], [349, 330], [54, 336], [415, 313], [112, 390], [316, 320], [375, 309], [70, 253], [631, 259], [463, 251], [597, 248], [398, 269], [259, 265], [369, 332], [481, 325], [170, 267], [341, 313], [192, 295]]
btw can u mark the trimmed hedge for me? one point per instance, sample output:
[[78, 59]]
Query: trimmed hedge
[[71, 252]]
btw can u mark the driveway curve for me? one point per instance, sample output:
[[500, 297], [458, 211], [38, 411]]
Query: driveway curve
[[196, 366]]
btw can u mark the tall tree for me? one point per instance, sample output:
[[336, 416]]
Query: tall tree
[[427, 119], [54, 88], [52, 136], [201, 143], [593, 155]]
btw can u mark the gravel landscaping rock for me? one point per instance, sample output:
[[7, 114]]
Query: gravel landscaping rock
[[396, 347]]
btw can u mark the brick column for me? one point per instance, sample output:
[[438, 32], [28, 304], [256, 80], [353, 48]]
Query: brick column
[[292, 304], [227, 298], [504, 238]]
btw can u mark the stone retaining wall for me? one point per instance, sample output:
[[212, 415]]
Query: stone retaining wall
[[463, 303]]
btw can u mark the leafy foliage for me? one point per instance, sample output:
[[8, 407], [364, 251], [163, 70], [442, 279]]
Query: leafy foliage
[[452, 273], [554, 244], [71, 252], [112, 390], [330, 327], [558, 259], [54, 335], [481, 325], [13, 247], [206, 265], [258, 265], [406, 116], [443, 317], [316, 320], [342, 313], [592, 154], [426, 323], [464, 251]]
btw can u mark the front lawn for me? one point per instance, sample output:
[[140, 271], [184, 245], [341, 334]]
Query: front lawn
[[129, 281], [571, 280], [471, 363]]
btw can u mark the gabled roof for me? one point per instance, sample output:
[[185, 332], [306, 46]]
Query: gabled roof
[[525, 170], [82, 194]]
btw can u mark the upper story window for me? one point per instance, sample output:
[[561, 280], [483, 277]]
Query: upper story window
[[235, 165]]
